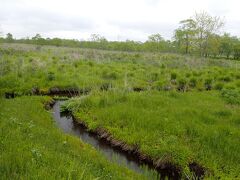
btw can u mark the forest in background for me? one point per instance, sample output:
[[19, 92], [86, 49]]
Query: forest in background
[[200, 35], [172, 106]]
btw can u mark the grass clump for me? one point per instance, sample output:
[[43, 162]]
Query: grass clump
[[32, 147], [173, 76], [219, 86], [25, 68], [138, 97], [175, 127]]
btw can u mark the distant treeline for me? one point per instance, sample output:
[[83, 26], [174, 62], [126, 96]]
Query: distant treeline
[[199, 35]]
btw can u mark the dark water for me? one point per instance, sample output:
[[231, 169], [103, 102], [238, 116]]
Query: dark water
[[68, 125]]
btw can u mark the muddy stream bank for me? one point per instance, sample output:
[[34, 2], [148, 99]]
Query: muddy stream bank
[[70, 126]]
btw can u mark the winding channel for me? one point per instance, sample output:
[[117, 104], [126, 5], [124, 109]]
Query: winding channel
[[70, 126]]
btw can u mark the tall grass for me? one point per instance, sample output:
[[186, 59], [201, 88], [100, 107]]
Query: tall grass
[[32, 147], [23, 68], [175, 127], [185, 110]]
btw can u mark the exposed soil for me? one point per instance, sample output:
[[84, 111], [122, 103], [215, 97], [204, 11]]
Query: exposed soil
[[66, 92], [9, 95], [54, 91], [138, 89], [198, 170], [165, 169]]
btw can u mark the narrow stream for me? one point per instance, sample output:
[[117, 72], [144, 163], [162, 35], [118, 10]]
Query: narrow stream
[[68, 125]]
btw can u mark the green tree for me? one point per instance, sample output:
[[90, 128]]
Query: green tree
[[9, 37], [184, 35], [214, 44], [199, 33], [226, 45], [206, 26], [236, 48], [57, 41], [37, 37], [97, 38], [1, 38], [155, 42], [155, 38], [0, 32]]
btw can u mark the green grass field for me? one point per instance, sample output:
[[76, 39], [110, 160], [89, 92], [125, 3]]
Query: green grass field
[[174, 108], [26, 67], [32, 147], [170, 126]]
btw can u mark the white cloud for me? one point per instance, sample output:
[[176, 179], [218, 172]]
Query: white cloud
[[114, 19]]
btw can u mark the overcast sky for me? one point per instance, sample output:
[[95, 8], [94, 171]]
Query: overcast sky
[[114, 19]]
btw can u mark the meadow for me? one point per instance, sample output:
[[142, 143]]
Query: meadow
[[33, 148], [174, 128], [24, 67], [175, 109]]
